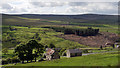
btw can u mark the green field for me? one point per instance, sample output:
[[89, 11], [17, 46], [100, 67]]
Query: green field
[[103, 59], [24, 34], [19, 30]]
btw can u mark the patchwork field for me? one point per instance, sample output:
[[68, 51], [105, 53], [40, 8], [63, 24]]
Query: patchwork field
[[24, 34], [19, 29]]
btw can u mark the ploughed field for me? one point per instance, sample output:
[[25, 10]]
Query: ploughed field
[[94, 41]]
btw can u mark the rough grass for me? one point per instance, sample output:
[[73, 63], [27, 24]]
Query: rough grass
[[104, 59], [24, 34]]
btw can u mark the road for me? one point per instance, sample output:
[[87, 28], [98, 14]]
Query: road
[[98, 52]]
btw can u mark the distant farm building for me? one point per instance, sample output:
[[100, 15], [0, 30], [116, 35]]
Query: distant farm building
[[73, 52], [109, 44], [117, 45], [51, 54]]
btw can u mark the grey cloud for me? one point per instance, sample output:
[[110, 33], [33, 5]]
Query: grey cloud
[[77, 3], [39, 4], [6, 6], [94, 9], [47, 4]]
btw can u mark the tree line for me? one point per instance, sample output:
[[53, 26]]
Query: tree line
[[80, 32]]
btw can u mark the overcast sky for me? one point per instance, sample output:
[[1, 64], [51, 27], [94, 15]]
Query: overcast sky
[[59, 7]]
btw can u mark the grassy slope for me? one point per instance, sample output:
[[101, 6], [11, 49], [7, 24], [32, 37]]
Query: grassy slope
[[104, 59], [24, 34], [110, 26]]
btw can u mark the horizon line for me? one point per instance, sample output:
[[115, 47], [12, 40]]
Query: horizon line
[[55, 14]]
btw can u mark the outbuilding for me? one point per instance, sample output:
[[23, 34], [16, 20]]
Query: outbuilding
[[73, 52]]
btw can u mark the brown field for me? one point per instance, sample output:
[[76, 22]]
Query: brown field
[[93, 41]]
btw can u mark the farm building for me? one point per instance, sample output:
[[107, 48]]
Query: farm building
[[73, 52], [117, 45], [51, 54]]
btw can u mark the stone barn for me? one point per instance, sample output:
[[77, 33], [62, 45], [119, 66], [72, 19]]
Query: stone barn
[[110, 45], [73, 52], [117, 45], [51, 54]]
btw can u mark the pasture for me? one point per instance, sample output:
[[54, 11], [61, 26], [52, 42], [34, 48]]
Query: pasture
[[103, 59]]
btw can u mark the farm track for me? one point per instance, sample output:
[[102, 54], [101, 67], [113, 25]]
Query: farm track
[[99, 52]]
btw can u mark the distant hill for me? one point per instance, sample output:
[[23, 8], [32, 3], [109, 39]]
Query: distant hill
[[70, 19]]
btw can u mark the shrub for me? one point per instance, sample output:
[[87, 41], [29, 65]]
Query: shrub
[[15, 60], [4, 62], [85, 51], [9, 60], [62, 51]]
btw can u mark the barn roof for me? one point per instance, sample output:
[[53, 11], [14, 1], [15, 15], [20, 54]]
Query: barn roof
[[109, 43], [74, 50]]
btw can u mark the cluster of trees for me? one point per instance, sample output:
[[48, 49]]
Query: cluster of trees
[[79, 32], [25, 51], [31, 50], [82, 32]]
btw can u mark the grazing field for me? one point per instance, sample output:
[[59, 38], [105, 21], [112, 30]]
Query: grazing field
[[12, 37], [103, 59], [20, 29]]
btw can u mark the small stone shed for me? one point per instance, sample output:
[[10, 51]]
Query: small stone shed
[[117, 45], [73, 52], [51, 54]]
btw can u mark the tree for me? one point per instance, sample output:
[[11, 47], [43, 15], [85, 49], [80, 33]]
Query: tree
[[113, 45], [51, 46], [5, 50], [36, 35], [39, 38], [101, 47], [21, 51], [30, 46], [46, 46], [39, 48]]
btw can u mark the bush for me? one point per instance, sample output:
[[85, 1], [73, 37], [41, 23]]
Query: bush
[[10, 60], [15, 60], [4, 62], [62, 51], [85, 51]]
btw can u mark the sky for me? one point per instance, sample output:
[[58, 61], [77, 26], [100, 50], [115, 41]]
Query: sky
[[109, 7]]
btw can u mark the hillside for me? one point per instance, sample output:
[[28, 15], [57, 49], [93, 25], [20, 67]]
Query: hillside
[[93, 41], [25, 19]]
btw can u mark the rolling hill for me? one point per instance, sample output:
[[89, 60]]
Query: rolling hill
[[36, 19]]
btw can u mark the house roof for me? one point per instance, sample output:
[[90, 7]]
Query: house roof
[[74, 50], [49, 51]]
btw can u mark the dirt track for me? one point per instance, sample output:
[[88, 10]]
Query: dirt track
[[94, 41]]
